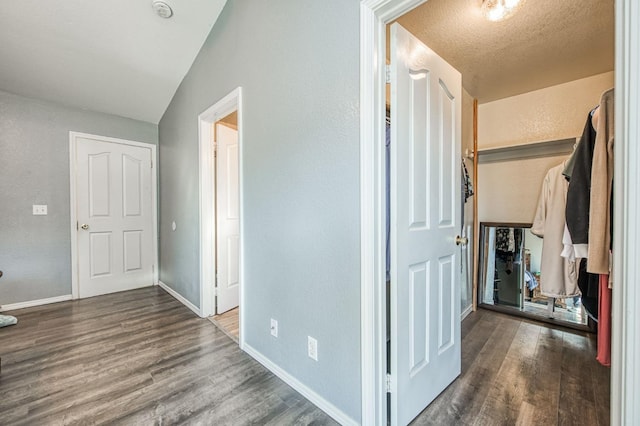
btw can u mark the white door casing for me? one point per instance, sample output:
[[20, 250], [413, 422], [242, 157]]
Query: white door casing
[[207, 217], [113, 215], [227, 219], [425, 216]]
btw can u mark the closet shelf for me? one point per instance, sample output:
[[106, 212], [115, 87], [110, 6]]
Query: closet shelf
[[524, 151]]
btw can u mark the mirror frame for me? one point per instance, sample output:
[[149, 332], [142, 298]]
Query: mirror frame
[[589, 327]]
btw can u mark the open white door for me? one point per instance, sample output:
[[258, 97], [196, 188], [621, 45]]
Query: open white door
[[425, 216], [115, 216], [228, 219]]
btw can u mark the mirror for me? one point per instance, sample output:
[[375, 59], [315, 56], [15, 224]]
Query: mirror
[[510, 277]]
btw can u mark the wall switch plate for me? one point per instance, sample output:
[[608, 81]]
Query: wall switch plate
[[312, 348], [39, 209], [274, 328]]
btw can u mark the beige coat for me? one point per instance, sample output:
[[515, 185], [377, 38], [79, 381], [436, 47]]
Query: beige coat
[[558, 275], [601, 181]]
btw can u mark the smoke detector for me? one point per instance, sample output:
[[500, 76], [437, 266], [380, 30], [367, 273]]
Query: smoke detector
[[162, 9]]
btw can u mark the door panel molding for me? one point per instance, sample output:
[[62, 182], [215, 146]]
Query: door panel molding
[[73, 170]]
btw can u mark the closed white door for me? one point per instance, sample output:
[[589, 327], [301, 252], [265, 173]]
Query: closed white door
[[114, 213], [425, 212], [227, 219]]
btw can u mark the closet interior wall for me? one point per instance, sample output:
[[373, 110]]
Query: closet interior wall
[[510, 189]]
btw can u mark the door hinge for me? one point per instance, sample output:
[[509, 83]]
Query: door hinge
[[387, 72], [388, 383]]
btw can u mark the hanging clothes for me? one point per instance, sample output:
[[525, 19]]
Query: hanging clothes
[[589, 285], [578, 194], [604, 322], [467, 185], [568, 167], [558, 275], [600, 209], [509, 247]]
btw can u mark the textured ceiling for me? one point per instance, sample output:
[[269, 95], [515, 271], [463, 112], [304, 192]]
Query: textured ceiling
[[114, 56], [546, 42]]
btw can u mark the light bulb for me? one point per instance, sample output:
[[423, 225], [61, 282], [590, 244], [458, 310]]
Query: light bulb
[[498, 10]]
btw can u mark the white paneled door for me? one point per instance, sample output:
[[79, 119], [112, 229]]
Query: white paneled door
[[227, 219], [115, 249], [425, 212]]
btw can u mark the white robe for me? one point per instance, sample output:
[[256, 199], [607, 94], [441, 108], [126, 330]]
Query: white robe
[[558, 275]]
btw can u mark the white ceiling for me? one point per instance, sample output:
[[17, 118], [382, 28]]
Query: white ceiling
[[546, 42], [114, 56]]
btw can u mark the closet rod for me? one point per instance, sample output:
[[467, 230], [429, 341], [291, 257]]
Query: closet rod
[[526, 151]]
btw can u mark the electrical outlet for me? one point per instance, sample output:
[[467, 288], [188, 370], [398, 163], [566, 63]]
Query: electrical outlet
[[312, 348], [274, 327], [39, 210]]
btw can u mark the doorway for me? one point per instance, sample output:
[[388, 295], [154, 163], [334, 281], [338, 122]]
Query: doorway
[[113, 215], [375, 15], [227, 224], [425, 244], [221, 214]]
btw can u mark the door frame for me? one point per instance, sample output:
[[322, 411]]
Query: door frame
[[625, 374], [206, 120], [73, 174]]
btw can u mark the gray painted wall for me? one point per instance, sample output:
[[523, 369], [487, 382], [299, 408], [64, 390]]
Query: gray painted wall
[[298, 64], [35, 251]]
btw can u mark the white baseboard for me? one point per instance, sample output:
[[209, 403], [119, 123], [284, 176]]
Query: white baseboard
[[32, 303], [466, 312], [337, 414], [180, 298]]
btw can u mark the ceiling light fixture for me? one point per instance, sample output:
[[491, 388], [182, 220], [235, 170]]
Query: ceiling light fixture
[[162, 9], [499, 10]]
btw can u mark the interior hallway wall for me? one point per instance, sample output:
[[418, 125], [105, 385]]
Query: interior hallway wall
[[510, 189], [298, 65], [35, 251]]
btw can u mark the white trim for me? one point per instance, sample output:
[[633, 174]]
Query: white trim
[[73, 136], [374, 14], [466, 312], [625, 346], [179, 298], [32, 303], [228, 104], [330, 409]]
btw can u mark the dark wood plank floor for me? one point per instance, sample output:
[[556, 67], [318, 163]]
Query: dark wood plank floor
[[140, 357], [515, 372], [136, 358]]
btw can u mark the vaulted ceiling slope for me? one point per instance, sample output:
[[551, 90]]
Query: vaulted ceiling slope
[[547, 42], [116, 56]]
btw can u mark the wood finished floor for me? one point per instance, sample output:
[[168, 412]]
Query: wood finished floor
[[136, 358], [516, 372], [141, 357], [229, 322]]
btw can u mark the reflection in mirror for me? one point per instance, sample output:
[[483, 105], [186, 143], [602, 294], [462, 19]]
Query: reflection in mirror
[[510, 277]]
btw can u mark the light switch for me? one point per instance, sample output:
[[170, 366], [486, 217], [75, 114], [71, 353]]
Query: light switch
[[39, 209]]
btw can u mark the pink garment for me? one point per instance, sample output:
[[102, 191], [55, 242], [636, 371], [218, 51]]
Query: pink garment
[[604, 322]]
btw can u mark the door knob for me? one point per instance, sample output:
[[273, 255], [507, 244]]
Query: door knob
[[461, 240], [84, 226]]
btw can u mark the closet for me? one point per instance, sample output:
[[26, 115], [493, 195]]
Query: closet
[[529, 83]]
